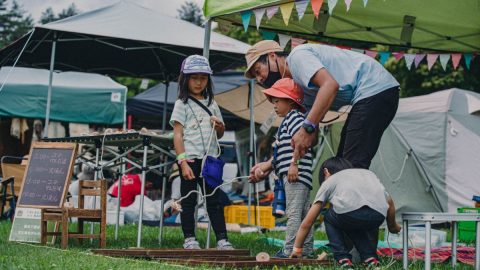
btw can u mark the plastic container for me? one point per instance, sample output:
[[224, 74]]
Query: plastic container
[[466, 229], [239, 214]]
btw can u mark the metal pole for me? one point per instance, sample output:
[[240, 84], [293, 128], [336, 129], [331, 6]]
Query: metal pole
[[165, 103], [477, 247], [50, 80], [428, 242], [162, 203], [206, 39], [251, 149], [454, 244], [206, 54], [119, 195], [405, 244], [142, 193], [98, 144]]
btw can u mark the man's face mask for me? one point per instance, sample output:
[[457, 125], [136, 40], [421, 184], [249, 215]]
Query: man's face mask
[[272, 77]]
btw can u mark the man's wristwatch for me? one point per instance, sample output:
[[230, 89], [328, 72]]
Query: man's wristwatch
[[309, 126]]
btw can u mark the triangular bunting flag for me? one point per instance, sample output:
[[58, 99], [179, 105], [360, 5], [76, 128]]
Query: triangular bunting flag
[[258, 16], [316, 5], [409, 60], [397, 55], [271, 11], [431, 59], [246, 18], [444, 60], [372, 54], [358, 50], [286, 10], [365, 3], [418, 58], [331, 6], [384, 57], [297, 41], [301, 6], [267, 35], [468, 59], [348, 2], [456, 59], [283, 40]]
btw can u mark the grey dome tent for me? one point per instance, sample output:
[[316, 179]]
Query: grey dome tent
[[428, 158]]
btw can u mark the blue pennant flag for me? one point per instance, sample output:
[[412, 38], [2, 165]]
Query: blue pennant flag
[[267, 35], [246, 18]]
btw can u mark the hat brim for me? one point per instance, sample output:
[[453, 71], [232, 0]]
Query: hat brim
[[247, 73], [209, 72], [272, 92]]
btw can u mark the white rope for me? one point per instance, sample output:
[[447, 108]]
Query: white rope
[[177, 206], [16, 60], [401, 170]]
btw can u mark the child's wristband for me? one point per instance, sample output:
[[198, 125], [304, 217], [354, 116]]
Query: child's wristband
[[181, 156], [297, 250], [296, 162]]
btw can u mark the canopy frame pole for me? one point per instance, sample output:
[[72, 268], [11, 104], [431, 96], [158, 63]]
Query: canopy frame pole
[[50, 79], [165, 103], [206, 54], [251, 155]]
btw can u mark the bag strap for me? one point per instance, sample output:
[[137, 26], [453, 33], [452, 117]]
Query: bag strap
[[201, 105]]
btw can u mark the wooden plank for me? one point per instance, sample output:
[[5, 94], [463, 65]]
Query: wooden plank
[[246, 263], [170, 253]]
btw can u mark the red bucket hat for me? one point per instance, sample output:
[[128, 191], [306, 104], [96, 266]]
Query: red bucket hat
[[286, 88]]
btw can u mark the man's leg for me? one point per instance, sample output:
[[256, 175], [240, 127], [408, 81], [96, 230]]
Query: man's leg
[[365, 125], [296, 194]]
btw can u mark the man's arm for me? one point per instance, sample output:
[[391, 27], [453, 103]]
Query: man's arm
[[328, 88], [392, 224]]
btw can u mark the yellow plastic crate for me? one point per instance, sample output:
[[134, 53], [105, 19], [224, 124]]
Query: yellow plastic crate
[[239, 214]]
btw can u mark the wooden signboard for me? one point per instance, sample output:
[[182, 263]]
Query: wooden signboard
[[49, 169]]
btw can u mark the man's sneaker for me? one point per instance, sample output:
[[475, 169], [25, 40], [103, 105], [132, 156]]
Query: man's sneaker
[[191, 243], [280, 255], [371, 263], [345, 264], [224, 245]]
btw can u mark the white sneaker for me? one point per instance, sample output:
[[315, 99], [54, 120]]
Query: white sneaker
[[224, 245], [191, 243]]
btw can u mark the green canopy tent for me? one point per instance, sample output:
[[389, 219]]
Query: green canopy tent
[[77, 97], [437, 25]]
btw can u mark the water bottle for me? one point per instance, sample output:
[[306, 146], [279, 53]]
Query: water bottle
[[279, 199]]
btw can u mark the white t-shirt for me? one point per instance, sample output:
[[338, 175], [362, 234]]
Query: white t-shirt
[[351, 189]]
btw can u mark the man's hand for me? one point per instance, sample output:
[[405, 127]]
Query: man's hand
[[187, 172], [394, 228], [292, 173], [301, 141], [260, 171]]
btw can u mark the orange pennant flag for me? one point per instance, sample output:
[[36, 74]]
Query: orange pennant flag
[[456, 59], [316, 5]]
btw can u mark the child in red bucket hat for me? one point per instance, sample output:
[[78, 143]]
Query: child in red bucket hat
[[294, 175]]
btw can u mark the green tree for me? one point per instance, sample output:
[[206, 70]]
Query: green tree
[[49, 16], [191, 12], [14, 22]]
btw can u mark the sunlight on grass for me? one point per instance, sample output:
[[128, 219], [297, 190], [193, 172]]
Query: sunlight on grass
[[34, 256]]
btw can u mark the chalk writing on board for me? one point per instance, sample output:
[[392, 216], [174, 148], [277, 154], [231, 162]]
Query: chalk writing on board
[[46, 177]]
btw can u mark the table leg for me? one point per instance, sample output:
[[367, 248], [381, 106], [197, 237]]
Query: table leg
[[454, 244], [428, 228], [405, 244]]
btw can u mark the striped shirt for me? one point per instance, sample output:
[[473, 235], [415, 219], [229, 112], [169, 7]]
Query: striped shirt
[[195, 136], [290, 125]]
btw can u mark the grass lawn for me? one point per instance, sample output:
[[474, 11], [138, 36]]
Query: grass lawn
[[34, 256]]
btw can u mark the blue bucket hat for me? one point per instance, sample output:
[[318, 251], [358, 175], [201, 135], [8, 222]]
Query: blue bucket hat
[[196, 64]]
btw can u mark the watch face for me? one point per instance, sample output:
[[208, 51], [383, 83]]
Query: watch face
[[308, 128]]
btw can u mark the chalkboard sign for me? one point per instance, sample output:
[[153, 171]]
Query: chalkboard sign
[[48, 174]]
